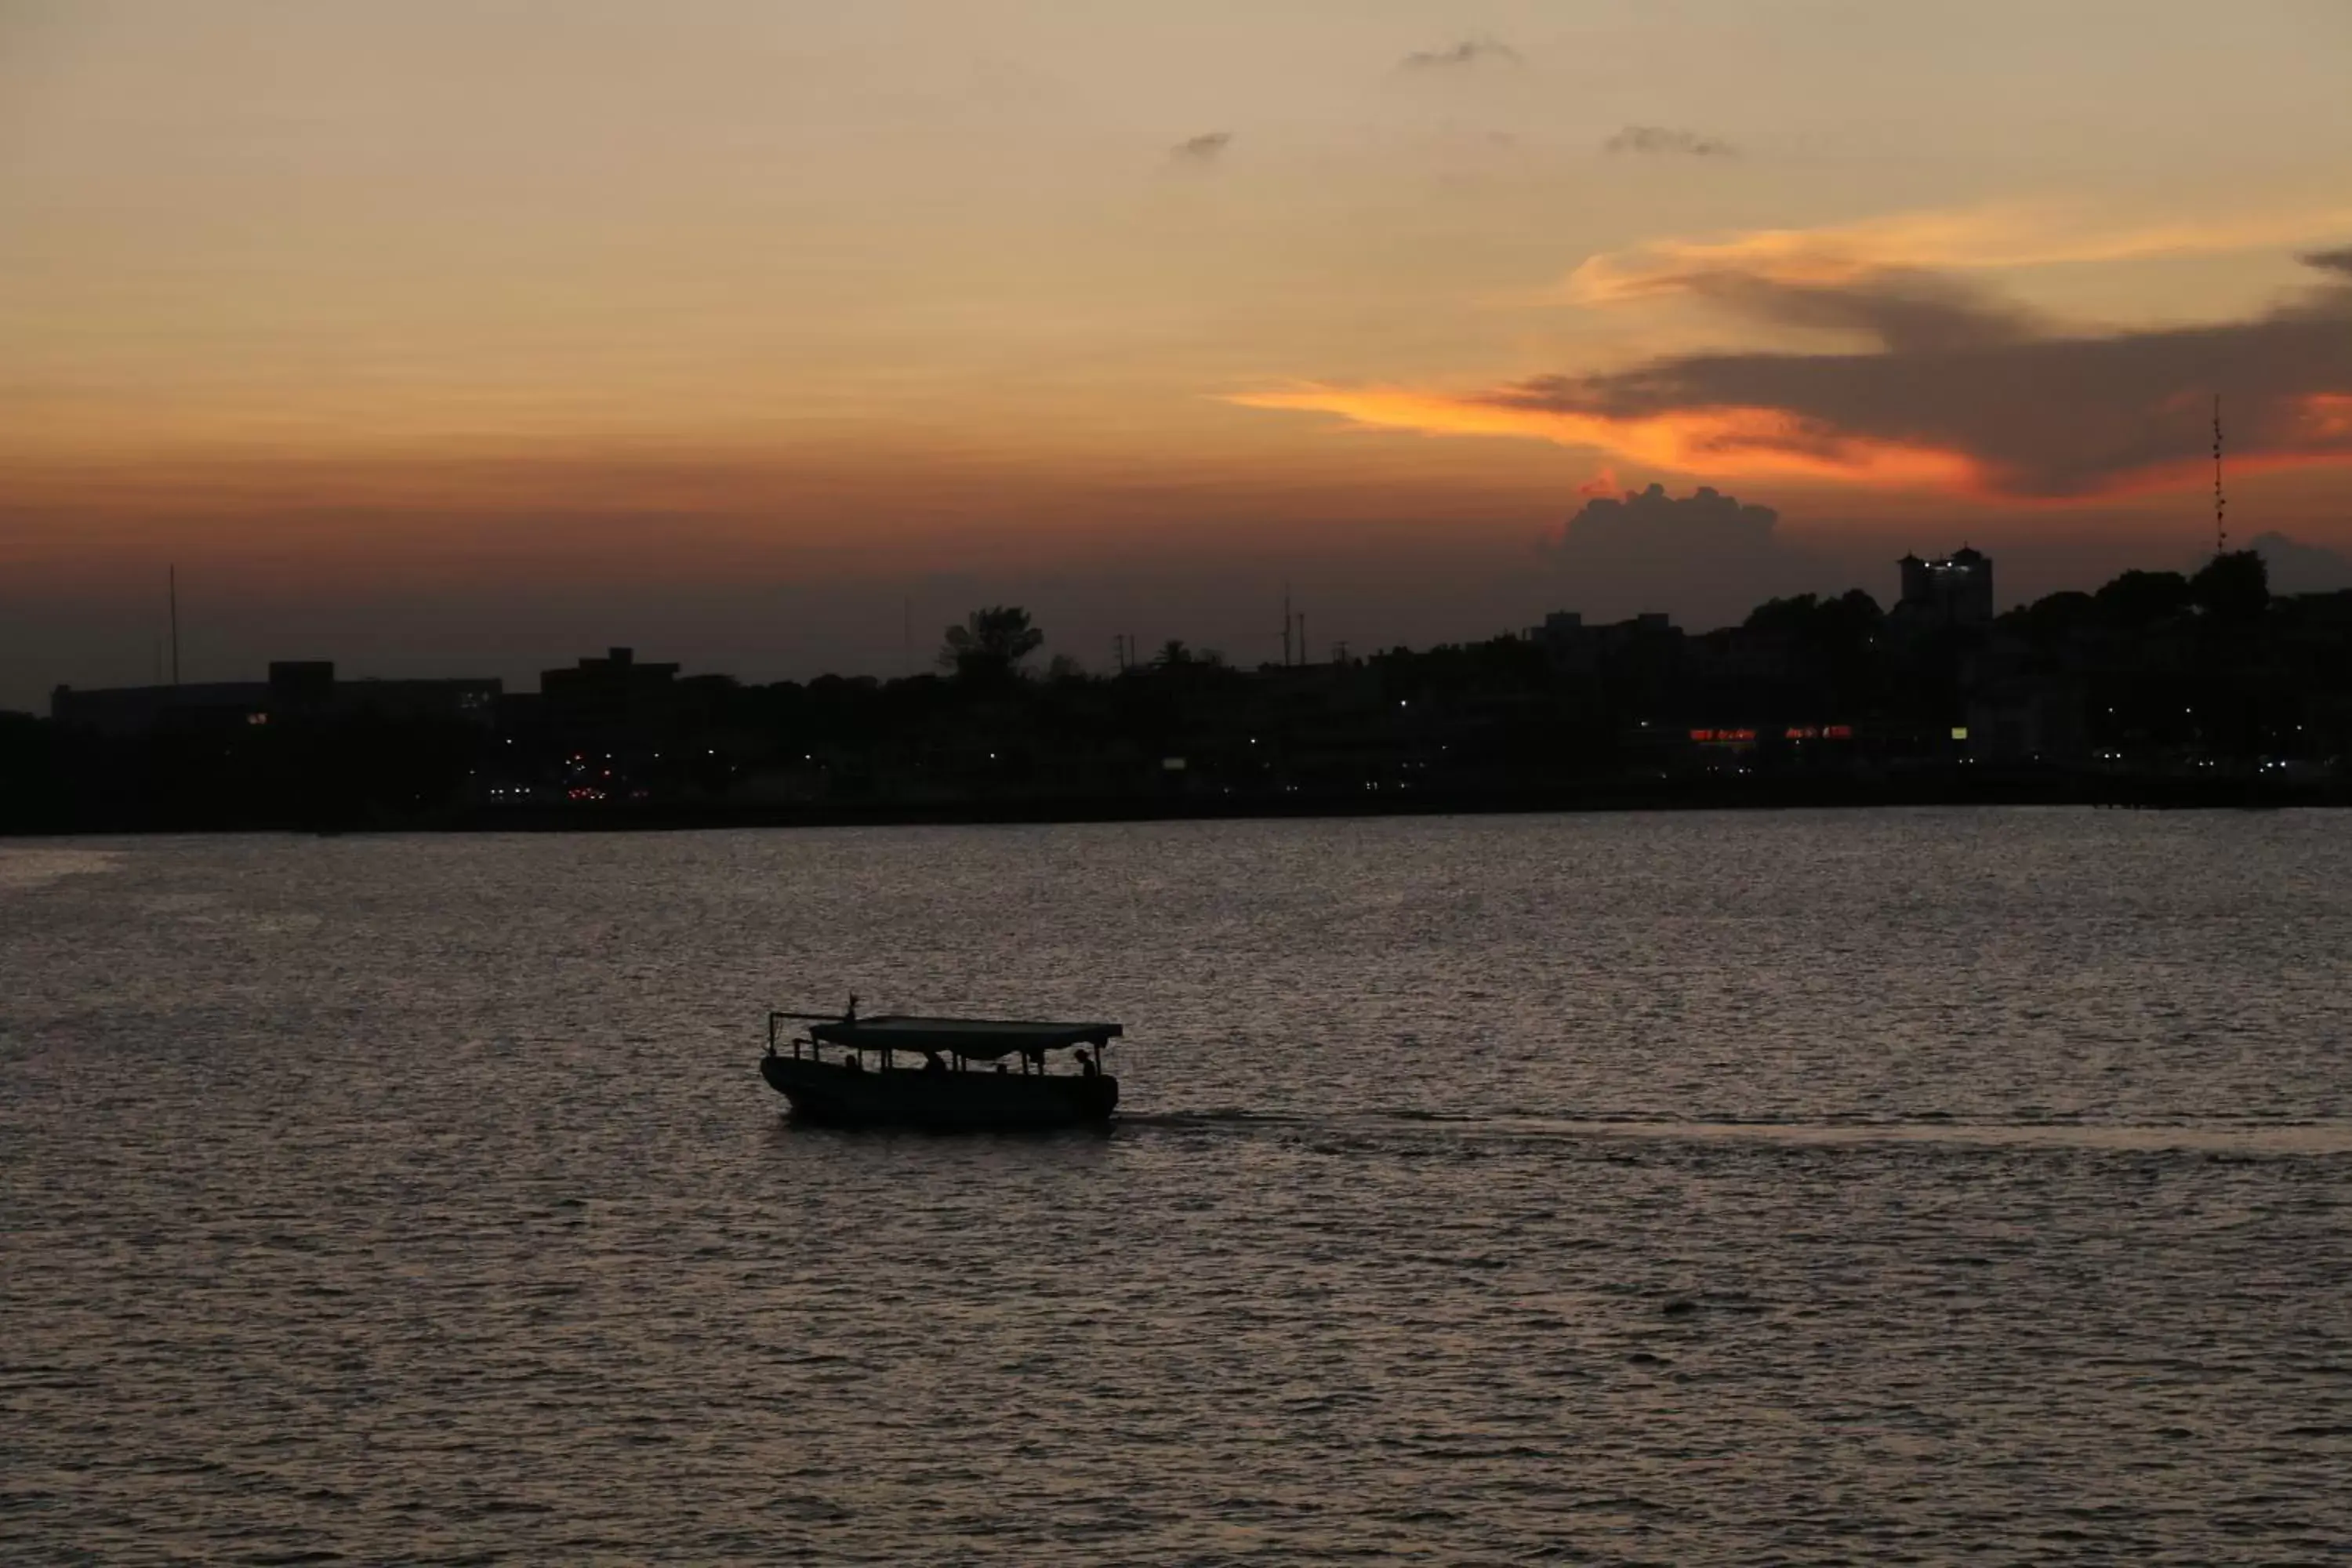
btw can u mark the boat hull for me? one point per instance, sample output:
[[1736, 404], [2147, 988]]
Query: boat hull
[[830, 1095]]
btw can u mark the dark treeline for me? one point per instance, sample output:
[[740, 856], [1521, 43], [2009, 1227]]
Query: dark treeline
[[2158, 687]]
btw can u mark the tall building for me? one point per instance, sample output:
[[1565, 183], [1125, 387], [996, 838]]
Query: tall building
[[1953, 591]]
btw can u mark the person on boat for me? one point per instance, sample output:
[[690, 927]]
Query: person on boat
[[854, 1062], [1087, 1065], [932, 1064]]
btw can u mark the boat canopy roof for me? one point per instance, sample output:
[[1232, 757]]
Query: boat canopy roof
[[983, 1039]]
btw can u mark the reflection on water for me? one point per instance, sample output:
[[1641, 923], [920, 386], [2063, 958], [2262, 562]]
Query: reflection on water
[[31, 865], [2221, 1137], [1900, 1186]]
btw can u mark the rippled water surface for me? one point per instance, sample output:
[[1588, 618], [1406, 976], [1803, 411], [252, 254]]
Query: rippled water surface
[[1894, 1187]]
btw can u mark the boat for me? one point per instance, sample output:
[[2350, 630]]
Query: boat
[[939, 1074]]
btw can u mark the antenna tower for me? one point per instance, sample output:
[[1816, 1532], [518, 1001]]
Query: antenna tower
[[2221, 526], [171, 594]]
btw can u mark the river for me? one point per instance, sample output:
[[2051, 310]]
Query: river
[[1895, 1186]]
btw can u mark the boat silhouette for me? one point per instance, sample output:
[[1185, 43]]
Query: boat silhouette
[[968, 1074]]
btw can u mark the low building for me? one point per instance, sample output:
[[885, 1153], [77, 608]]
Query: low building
[[1573, 647], [2042, 721], [123, 712], [612, 693], [297, 691]]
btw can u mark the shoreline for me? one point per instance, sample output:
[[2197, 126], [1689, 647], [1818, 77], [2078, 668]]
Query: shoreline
[[2095, 792]]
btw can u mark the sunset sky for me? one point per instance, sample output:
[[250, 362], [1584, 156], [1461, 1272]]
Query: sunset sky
[[459, 338]]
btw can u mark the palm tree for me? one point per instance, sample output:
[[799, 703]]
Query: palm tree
[[991, 644]]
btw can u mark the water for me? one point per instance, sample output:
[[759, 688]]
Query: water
[[1911, 1186]]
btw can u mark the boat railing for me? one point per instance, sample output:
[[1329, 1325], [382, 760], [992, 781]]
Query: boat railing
[[797, 1040], [804, 1042]]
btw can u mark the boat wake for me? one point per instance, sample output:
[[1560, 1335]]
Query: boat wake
[[2188, 1134], [1221, 1116]]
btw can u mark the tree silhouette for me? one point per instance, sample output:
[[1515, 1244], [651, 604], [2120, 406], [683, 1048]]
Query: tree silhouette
[[2138, 600], [991, 644], [2232, 587]]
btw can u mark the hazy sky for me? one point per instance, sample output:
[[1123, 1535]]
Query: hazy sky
[[470, 337]]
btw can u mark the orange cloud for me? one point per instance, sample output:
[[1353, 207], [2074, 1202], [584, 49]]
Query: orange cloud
[[1743, 442], [1971, 239], [2327, 415], [1720, 442], [1962, 393]]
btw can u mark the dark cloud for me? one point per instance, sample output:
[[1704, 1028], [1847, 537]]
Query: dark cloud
[[1660, 140], [1708, 556], [1468, 52], [2299, 568], [1905, 309], [2042, 414], [1206, 148], [2336, 261]]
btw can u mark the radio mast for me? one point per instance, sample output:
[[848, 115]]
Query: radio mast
[[2221, 527]]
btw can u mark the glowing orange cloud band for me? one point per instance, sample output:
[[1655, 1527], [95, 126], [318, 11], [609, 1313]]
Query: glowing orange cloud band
[[1735, 443], [1712, 443], [2327, 415], [1974, 240]]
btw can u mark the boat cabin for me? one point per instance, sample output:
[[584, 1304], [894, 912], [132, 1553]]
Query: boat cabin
[[937, 1072]]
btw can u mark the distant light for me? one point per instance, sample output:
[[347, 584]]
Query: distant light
[[1960, 731]]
